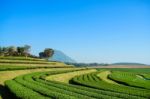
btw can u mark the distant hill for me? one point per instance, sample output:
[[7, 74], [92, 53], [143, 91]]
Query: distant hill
[[125, 63], [62, 57]]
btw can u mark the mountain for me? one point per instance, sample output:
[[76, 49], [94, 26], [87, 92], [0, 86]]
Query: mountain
[[62, 57], [125, 63]]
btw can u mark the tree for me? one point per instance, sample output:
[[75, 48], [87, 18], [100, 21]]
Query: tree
[[48, 52], [20, 51], [27, 50], [5, 51], [41, 55], [1, 51], [12, 50], [16, 51]]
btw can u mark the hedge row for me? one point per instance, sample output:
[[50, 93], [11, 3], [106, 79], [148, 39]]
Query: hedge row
[[89, 87], [91, 80], [131, 79], [21, 58], [22, 92]]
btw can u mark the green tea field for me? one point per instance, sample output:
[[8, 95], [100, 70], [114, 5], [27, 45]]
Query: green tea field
[[30, 78]]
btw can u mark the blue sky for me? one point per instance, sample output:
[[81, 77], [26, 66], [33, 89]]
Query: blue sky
[[105, 31]]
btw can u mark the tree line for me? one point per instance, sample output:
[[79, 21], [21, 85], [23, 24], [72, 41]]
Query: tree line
[[24, 51], [15, 51]]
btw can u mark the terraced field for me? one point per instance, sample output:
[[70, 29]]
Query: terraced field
[[65, 77], [19, 63], [74, 83], [11, 67], [128, 84]]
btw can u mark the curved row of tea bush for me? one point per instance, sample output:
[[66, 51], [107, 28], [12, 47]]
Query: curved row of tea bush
[[88, 86], [22, 92], [42, 89], [28, 85], [133, 70], [100, 94], [22, 63], [57, 90], [131, 79], [92, 80], [21, 58], [146, 76], [104, 92], [11, 67], [27, 62]]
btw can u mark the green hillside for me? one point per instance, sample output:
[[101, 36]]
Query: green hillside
[[11, 67], [30, 78], [15, 63]]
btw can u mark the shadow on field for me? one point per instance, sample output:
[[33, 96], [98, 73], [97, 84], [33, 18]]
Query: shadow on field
[[5, 94]]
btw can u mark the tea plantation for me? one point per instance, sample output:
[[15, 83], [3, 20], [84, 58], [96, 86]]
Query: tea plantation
[[32, 78]]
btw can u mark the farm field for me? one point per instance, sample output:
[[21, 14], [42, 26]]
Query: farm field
[[75, 49], [21, 80], [65, 77], [122, 66], [22, 65]]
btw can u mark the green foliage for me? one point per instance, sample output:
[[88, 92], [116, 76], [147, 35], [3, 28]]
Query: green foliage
[[146, 76], [91, 80], [36, 82], [48, 52], [21, 63], [23, 92], [13, 67], [21, 58], [26, 62], [15, 51], [43, 89], [131, 79], [76, 89], [87, 86], [136, 70]]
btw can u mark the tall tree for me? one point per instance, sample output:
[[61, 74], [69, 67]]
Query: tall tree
[[27, 50], [1, 51], [41, 55], [5, 51], [48, 52], [12, 50], [20, 51], [15, 51]]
